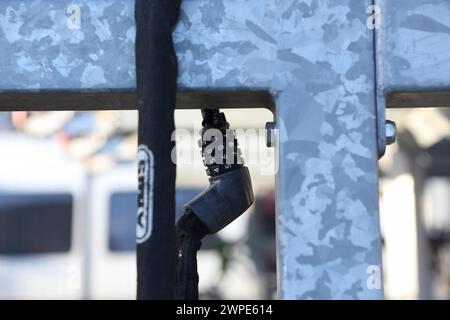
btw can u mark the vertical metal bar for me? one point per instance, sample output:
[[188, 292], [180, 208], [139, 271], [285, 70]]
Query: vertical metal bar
[[329, 243]]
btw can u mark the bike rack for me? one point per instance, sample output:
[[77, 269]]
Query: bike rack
[[322, 69]]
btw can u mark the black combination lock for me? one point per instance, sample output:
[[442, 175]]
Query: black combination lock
[[230, 192], [219, 146]]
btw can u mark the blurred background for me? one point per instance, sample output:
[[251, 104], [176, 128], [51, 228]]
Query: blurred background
[[415, 205], [68, 204]]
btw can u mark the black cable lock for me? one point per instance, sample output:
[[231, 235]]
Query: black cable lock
[[229, 195], [156, 73]]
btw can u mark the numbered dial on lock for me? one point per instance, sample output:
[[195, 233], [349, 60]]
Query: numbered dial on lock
[[220, 149]]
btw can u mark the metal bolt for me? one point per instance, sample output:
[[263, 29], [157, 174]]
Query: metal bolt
[[270, 134], [391, 132]]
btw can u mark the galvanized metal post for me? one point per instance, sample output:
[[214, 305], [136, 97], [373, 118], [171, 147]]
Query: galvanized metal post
[[329, 239]]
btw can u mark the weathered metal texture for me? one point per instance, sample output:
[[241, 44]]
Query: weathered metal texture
[[413, 46], [41, 51], [328, 195], [315, 57]]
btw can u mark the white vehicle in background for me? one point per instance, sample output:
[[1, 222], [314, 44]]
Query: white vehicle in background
[[41, 220]]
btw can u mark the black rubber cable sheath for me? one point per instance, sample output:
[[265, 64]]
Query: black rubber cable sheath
[[156, 74], [190, 232]]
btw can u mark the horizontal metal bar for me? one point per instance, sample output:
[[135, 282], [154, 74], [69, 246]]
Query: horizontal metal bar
[[127, 100], [418, 99]]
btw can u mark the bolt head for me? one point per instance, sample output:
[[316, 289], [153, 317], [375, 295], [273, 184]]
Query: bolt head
[[270, 135], [391, 132]]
